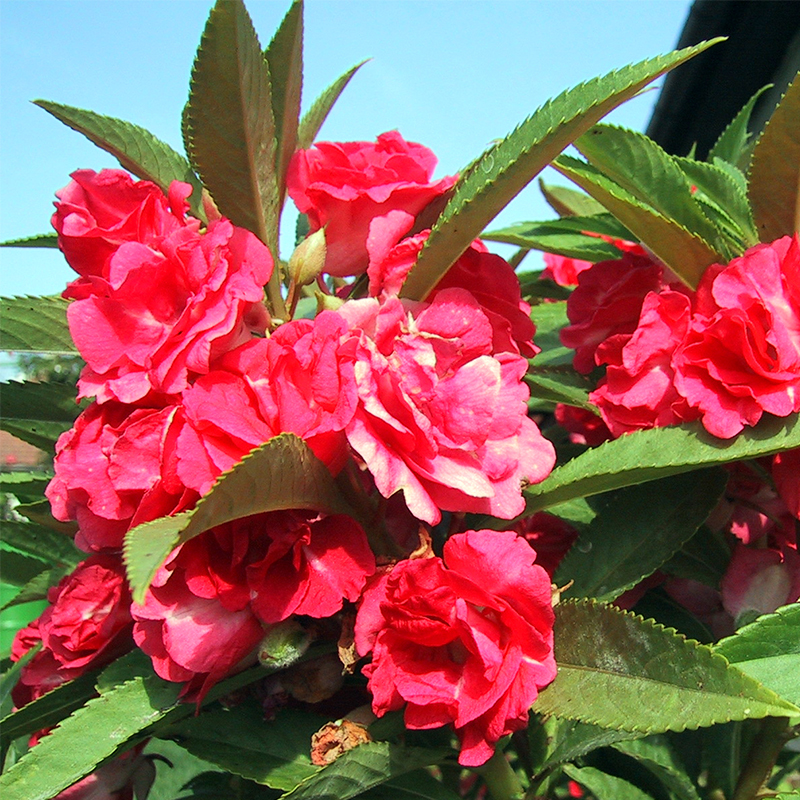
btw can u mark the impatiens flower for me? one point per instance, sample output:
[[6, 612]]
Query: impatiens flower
[[638, 390], [583, 425], [207, 608], [607, 301], [440, 417], [87, 625], [363, 191], [157, 301], [786, 474], [741, 357], [465, 641], [115, 468]]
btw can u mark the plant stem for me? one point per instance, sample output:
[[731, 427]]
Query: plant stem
[[761, 759], [501, 781]]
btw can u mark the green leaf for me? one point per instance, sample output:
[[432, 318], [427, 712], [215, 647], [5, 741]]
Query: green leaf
[[417, 785], [703, 558], [313, 118], [560, 384], [40, 513], [47, 710], [636, 530], [48, 240], [732, 142], [620, 671], [238, 740], [52, 402], [36, 588], [18, 569], [10, 678], [568, 202], [549, 319], [231, 129], [775, 170], [656, 453], [604, 786], [655, 754], [35, 325], [68, 754], [685, 253], [280, 474], [363, 768], [52, 547], [565, 236], [769, 651], [42, 435], [136, 149], [285, 62], [24, 483], [495, 178]]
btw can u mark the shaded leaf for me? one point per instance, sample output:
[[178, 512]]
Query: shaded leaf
[[655, 754], [568, 202], [17, 568], [36, 588], [636, 530], [560, 384], [48, 240], [685, 253], [42, 435], [52, 402], [604, 786], [649, 454], [35, 324], [229, 120], [25, 483], [769, 651], [417, 785], [775, 170], [10, 678], [731, 143], [285, 62], [282, 473], [496, 177], [136, 149], [313, 118], [51, 547], [620, 671], [40, 513], [363, 768], [549, 319], [703, 558]]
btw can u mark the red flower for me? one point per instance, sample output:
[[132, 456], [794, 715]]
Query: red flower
[[741, 357], [439, 417], [467, 641], [786, 474], [360, 191]]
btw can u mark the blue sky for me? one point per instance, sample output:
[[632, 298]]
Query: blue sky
[[452, 74]]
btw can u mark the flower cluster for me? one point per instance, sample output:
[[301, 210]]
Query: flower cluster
[[419, 408]]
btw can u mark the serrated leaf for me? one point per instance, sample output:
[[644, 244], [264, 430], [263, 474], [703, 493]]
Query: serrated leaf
[[274, 753], [568, 202], [52, 547], [775, 170], [565, 236], [282, 473], [136, 149], [560, 384], [685, 253], [417, 785], [656, 453], [40, 513], [67, 754], [604, 786], [363, 768], [655, 754], [47, 710], [658, 605], [35, 325], [53, 402], [17, 568], [620, 671], [46, 240], [284, 58], [24, 482], [769, 651], [731, 143], [11, 676], [36, 588], [495, 178], [313, 118], [635, 531], [230, 123], [549, 319], [704, 558], [42, 435]]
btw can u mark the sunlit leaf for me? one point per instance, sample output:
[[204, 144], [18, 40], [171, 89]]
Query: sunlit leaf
[[35, 325]]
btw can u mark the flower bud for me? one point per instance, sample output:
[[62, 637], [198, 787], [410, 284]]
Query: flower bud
[[308, 259], [283, 644]]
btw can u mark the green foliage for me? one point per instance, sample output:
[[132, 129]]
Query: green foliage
[[620, 671], [604, 786], [769, 651], [53, 548], [775, 170], [136, 149], [703, 558], [635, 531], [549, 319], [568, 202], [656, 755], [282, 473], [560, 384], [43, 240], [731, 146], [35, 324]]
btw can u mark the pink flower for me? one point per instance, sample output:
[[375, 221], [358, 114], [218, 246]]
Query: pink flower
[[363, 191], [741, 357], [466, 641], [638, 391], [97, 212], [550, 536], [607, 301], [584, 426], [564, 270], [206, 610], [439, 417], [786, 474], [115, 468], [86, 625]]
